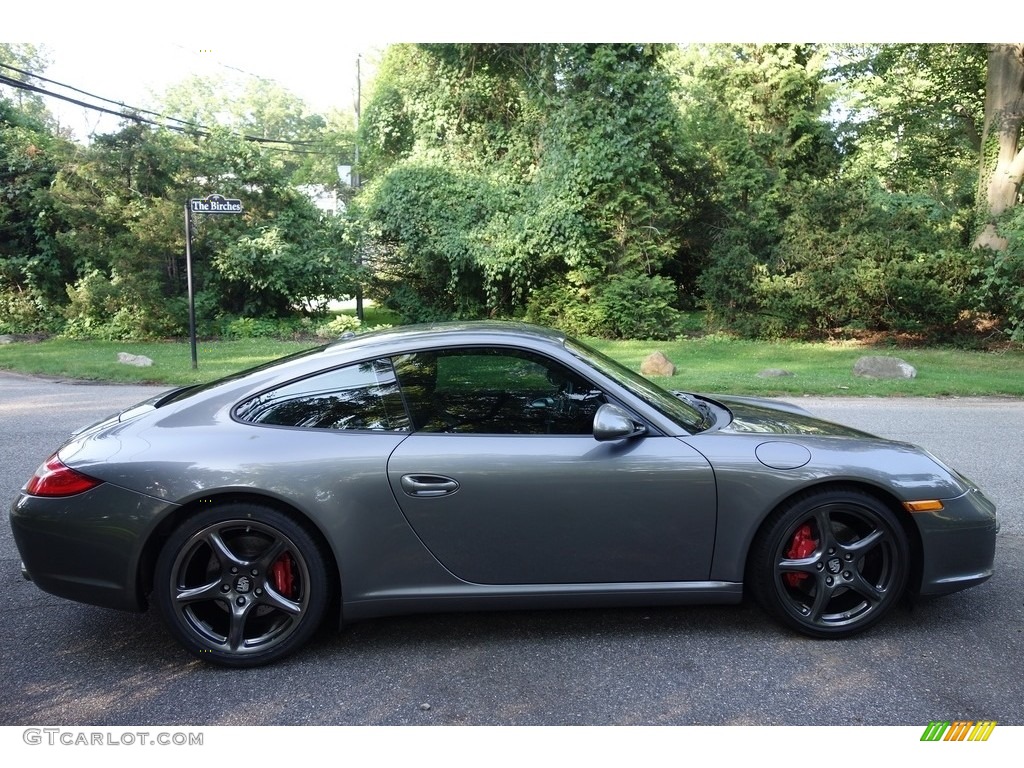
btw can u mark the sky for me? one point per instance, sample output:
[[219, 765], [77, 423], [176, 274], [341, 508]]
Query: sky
[[128, 51], [133, 75]]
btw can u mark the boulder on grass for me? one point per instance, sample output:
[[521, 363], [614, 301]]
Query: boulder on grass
[[656, 364], [138, 360], [881, 367]]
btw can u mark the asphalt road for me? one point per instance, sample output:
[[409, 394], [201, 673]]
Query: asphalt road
[[956, 657]]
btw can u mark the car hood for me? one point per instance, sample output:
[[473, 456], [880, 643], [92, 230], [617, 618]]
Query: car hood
[[774, 417]]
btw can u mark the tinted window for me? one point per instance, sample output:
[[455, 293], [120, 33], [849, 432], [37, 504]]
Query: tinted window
[[495, 391], [361, 396]]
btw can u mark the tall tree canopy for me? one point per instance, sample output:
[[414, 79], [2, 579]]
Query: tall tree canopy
[[574, 184], [787, 188]]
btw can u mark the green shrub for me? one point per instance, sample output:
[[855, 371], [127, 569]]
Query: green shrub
[[25, 312], [118, 309], [263, 328], [639, 307], [843, 261], [337, 326], [567, 308]]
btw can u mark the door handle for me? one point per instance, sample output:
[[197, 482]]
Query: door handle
[[429, 485]]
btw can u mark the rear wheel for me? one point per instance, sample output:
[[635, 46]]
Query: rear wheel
[[241, 585], [830, 564]]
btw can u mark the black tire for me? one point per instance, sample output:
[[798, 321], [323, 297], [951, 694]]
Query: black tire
[[241, 585], [830, 564]]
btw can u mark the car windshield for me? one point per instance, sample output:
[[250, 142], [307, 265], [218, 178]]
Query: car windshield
[[680, 411]]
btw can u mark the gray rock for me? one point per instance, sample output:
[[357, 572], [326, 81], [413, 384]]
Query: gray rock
[[11, 338], [880, 367], [138, 360], [773, 373], [656, 364]]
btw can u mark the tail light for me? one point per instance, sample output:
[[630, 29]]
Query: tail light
[[54, 478]]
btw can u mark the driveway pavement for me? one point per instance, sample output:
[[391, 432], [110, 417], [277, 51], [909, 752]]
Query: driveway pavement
[[956, 657]]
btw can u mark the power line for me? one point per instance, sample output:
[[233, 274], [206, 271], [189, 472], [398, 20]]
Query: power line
[[135, 114], [91, 95]]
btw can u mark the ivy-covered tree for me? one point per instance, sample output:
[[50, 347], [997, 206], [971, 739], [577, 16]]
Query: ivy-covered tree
[[538, 176], [446, 152]]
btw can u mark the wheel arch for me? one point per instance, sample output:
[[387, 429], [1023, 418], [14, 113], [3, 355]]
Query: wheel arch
[[156, 540], [881, 495]]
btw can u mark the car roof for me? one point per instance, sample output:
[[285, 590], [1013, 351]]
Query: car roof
[[463, 332]]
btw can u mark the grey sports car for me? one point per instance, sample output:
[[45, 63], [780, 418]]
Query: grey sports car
[[471, 466]]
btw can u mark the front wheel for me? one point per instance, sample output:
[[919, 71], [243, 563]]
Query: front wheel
[[241, 585], [830, 564]]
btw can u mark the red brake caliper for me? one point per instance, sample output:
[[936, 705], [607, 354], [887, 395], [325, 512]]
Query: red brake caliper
[[803, 545], [281, 576]]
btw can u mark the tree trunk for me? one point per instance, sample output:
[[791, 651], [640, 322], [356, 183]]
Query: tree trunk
[[1000, 180]]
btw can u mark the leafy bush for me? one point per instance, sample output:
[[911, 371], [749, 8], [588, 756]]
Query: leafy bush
[[844, 261], [639, 307], [628, 307], [25, 312], [1002, 288], [337, 326], [118, 309], [566, 308], [264, 328]]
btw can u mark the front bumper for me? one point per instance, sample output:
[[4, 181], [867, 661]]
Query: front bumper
[[958, 543], [87, 547]]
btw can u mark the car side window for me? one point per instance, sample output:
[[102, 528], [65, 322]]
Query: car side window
[[361, 396], [495, 391]]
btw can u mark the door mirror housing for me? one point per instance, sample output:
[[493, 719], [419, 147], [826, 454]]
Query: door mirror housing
[[613, 423]]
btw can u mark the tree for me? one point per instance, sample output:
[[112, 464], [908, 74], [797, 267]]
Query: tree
[[307, 146], [33, 267], [120, 211], [16, 59], [908, 115], [757, 111], [1002, 166], [555, 172]]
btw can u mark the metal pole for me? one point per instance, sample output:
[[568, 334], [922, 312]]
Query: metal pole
[[356, 180], [191, 291]]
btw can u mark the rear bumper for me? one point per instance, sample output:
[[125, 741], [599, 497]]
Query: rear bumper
[[958, 544], [86, 547]]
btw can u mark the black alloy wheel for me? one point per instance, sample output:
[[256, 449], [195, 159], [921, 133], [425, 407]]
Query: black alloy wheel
[[830, 564], [241, 585]]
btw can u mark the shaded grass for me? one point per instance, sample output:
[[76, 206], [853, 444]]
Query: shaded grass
[[709, 364]]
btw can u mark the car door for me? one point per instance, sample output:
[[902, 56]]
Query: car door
[[503, 481]]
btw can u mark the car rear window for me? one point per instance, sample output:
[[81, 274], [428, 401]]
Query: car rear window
[[364, 396]]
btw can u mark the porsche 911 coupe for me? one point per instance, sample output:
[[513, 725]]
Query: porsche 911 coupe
[[470, 466]]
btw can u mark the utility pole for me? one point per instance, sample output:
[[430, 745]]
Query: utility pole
[[356, 179]]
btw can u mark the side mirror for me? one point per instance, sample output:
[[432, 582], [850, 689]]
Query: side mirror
[[613, 423]]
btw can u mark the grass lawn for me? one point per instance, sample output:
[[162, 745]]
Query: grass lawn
[[710, 364], [716, 364]]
